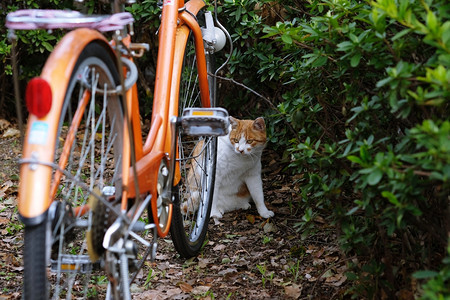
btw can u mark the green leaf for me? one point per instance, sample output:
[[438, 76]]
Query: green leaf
[[355, 60], [403, 8], [354, 159], [391, 197], [401, 34], [445, 29], [320, 61], [354, 38], [367, 170], [424, 274], [432, 21], [352, 211], [286, 38], [374, 177], [384, 81], [363, 153], [47, 46], [351, 276], [344, 46], [238, 13]]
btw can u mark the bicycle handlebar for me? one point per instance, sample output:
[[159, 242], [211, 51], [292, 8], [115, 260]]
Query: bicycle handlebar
[[28, 19]]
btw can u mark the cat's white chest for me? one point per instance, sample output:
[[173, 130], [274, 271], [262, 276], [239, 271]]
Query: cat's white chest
[[232, 166]]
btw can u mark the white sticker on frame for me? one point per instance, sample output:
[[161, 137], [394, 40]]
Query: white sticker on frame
[[38, 133]]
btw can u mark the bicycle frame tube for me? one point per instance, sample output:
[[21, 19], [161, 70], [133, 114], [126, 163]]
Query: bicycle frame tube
[[166, 92], [154, 145], [34, 189], [200, 54], [171, 97], [193, 7], [164, 69]]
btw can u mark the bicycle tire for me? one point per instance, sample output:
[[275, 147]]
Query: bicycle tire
[[55, 255], [192, 196], [35, 277]]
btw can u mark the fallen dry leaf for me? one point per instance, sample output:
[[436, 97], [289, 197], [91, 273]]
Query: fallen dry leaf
[[336, 280], [5, 187], [4, 124], [319, 253], [11, 132], [158, 294], [320, 220], [185, 287], [270, 227], [227, 271], [200, 290], [203, 262], [219, 247], [251, 219], [277, 201], [293, 291]]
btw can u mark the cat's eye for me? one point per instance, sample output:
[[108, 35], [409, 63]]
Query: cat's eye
[[249, 141], [235, 140]]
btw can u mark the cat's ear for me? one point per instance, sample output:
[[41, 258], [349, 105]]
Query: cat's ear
[[259, 124], [233, 122]]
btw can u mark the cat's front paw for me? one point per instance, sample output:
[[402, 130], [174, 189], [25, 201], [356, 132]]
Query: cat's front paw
[[246, 206], [216, 215], [267, 214]]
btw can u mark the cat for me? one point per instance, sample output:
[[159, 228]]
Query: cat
[[238, 171]]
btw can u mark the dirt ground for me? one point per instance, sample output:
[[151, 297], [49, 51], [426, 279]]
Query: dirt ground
[[246, 257]]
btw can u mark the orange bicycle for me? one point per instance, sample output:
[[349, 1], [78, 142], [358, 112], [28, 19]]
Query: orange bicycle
[[94, 195]]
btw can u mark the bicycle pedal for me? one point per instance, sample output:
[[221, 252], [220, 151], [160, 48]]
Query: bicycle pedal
[[73, 264], [205, 121]]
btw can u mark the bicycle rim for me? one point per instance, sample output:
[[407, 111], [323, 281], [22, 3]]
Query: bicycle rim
[[197, 160], [90, 137]]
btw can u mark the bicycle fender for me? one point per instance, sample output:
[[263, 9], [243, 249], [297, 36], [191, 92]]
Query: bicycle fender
[[39, 145]]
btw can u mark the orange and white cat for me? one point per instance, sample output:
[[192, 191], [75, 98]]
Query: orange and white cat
[[238, 171]]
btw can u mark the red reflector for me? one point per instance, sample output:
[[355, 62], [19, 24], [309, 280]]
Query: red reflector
[[38, 97]]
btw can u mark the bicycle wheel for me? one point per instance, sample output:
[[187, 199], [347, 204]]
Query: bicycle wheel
[[197, 161], [90, 137]]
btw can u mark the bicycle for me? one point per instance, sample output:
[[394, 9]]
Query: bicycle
[[93, 195]]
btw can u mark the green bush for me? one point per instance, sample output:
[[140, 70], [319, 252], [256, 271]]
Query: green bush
[[365, 87]]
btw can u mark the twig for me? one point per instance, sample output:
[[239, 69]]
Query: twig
[[246, 87], [259, 95]]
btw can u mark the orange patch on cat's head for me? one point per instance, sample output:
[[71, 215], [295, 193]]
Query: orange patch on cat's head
[[254, 131]]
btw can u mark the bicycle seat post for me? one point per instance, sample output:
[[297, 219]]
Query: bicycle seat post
[[118, 5]]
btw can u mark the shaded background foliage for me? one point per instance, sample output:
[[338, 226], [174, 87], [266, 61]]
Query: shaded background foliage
[[356, 96], [364, 89]]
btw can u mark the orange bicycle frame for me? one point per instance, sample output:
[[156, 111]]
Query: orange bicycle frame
[[36, 189]]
